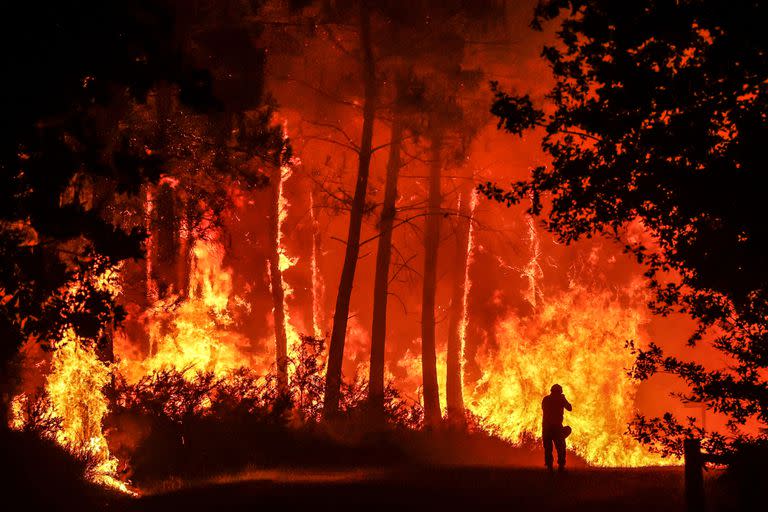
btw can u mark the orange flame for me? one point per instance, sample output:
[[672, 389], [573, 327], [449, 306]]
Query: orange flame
[[194, 333], [575, 339], [467, 284], [75, 385], [286, 262]]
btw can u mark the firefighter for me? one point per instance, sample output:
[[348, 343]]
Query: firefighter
[[552, 430]]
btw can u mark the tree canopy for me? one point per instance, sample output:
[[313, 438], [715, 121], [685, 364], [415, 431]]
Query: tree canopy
[[69, 84], [657, 118]]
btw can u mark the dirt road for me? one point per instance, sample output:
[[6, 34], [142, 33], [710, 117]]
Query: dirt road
[[426, 488]]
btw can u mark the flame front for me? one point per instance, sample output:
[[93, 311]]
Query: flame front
[[75, 386], [193, 333], [576, 339]]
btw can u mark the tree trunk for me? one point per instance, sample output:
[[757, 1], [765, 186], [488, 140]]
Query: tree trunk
[[166, 232], [430, 387], [150, 290], [318, 297], [186, 246], [453, 378], [166, 221], [341, 313], [381, 283], [276, 283]]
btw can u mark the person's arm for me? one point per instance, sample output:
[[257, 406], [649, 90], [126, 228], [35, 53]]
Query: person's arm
[[567, 404]]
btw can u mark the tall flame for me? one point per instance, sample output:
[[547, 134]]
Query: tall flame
[[532, 271], [286, 261], [317, 280], [576, 339], [75, 386], [467, 284], [194, 333]]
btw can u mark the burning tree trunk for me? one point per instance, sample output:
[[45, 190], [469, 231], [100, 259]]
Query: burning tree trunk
[[381, 283], [150, 291], [341, 313], [276, 282], [456, 323], [318, 319], [431, 241]]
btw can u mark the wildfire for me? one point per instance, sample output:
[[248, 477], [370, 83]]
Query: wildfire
[[576, 339], [194, 333], [467, 284], [317, 279], [75, 385], [286, 261]]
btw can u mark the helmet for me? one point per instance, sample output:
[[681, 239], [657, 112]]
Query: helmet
[[556, 389]]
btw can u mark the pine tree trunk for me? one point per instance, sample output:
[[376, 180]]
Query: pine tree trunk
[[453, 378], [318, 297], [276, 284], [381, 282], [430, 387], [166, 225], [341, 313], [150, 290], [166, 241]]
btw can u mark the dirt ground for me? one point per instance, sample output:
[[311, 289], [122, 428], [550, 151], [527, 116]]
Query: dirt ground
[[429, 488]]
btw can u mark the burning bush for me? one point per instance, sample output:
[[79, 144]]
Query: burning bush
[[186, 422]]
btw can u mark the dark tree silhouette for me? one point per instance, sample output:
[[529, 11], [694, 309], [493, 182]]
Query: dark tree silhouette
[[659, 113], [74, 71]]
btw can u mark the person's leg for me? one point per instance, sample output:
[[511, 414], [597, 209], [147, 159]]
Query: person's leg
[[547, 441], [560, 446]]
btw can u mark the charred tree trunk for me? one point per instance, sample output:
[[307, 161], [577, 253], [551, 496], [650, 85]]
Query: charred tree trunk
[[150, 292], [166, 240], [453, 378], [430, 387], [341, 313], [186, 249], [166, 221], [381, 283], [276, 284]]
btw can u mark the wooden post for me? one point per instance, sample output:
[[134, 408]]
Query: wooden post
[[694, 475]]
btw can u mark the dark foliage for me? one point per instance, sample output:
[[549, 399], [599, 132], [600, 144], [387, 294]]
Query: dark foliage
[[71, 73], [43, 475], [660, 113]]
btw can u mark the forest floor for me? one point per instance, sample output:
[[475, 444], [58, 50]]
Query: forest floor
[[428, 488]]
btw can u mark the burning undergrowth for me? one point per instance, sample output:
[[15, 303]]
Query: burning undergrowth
[[195, 381], [201, 401], [192, 423]]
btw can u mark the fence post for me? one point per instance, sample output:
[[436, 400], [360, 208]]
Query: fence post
[[694, 475]]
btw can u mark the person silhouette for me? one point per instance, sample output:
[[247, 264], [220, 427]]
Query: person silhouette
[[552, 429]]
